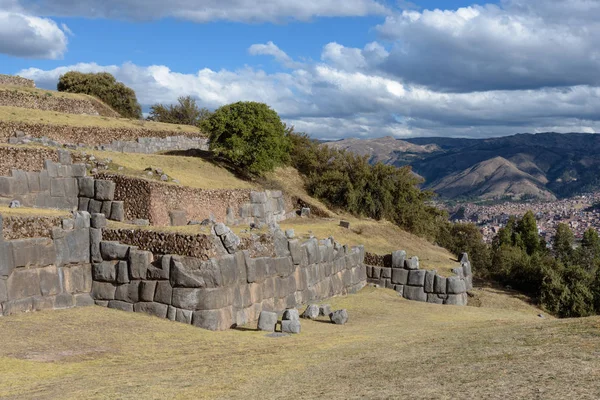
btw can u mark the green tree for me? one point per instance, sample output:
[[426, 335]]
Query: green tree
[[105, 87], [250, 135], [186, 112], [528, 237], [563, 243]]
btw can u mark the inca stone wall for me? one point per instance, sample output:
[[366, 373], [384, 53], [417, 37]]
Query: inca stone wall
[[403, 274], [151, 200], [150, 145], [11, 80], [232, 290], [50, 102], [85, 135], [47, 273], [24, 158], [22, 227]]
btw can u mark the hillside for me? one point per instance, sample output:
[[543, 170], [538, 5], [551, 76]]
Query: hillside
[[491, 179], [560, 164], [387, 150]]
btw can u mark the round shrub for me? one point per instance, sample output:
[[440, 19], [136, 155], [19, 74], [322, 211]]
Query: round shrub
[[250, 135]]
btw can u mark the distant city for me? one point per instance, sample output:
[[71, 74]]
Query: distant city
[[577, 212]]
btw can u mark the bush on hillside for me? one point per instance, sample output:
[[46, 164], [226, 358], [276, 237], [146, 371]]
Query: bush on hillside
[[105, 87], [348, 182], [250, 135], [185, 112]]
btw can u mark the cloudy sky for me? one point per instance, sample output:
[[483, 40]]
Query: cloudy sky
[[332, 68]]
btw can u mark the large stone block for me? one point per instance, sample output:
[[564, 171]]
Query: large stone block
[[312, 250], [139, 262], [105, 190], [183, 316], [439, 285], [83, 300], [114, 250], [267, 321], [151, 308], [202, 299], [241, 270], [120, 305], [94, 206], [95, 240], [376, 273], [3, 291], [147, 289], [417, 277], [160, 269], [298, 252], [98, 221], [86, 187], [33, 180], [77, 278], [33, 252], [50, 284], [23, 283], [192, 272], [71, 188], [242, 298], [284, 266], [129, 292], [164, 292], [399, 276], [7, 263], [41, 303], [290, 326], [171, 313], [281, 244], [229, 269], [78, 242], [455, 285], [21, 182], [83, 204], [214, 320], [398, 258], [416, 293], [57, 187], [339, 317], [64, 300], [435, 298], [412, 263], [257, 269], [17, 306], [456, 299], [429, 281], [105, 271], [8, 186], [386, 273], [117, 212], [103, 291]]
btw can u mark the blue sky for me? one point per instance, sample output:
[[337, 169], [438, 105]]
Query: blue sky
[[361, 68]]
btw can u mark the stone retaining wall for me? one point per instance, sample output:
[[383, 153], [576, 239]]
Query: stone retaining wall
[[403, 274], [25, 158], [47, 273], [22, 227], [12, 80], [151, 200], [58, 103], [86, 135], [232, 290], [150, 145]]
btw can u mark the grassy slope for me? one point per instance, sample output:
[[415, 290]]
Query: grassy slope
[[444, 352], [32, 212], [42, 92], [26, 115], [189, 171]]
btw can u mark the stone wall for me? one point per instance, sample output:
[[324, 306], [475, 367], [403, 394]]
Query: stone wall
[[21, 227], [24, 158], [86, 135], [47, 273], [151, 200], [58, 103], [403, 274], [232, 290], [150, 145], [11, 80]]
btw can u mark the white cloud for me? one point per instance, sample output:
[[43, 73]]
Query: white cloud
[[207, 10], [23, 35], [270, 49], [330, 103], [521, 44]]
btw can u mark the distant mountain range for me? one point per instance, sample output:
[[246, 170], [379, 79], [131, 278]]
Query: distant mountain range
[[542, 165]]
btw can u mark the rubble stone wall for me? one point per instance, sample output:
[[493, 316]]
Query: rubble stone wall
[[150, 145], [397, 272], [29, 159], [22, 227], [12, 80], [47, 273], [86, 135], [218, 294], [50, 102]]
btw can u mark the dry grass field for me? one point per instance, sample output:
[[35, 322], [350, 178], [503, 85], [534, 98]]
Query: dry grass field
[[390, 348], [26, 115], [32, 212]]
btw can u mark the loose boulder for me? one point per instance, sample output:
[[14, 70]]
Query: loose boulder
[[267, 321], [339, 317], [290, 326], [311, 312], [325, 310], [291, 314]]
